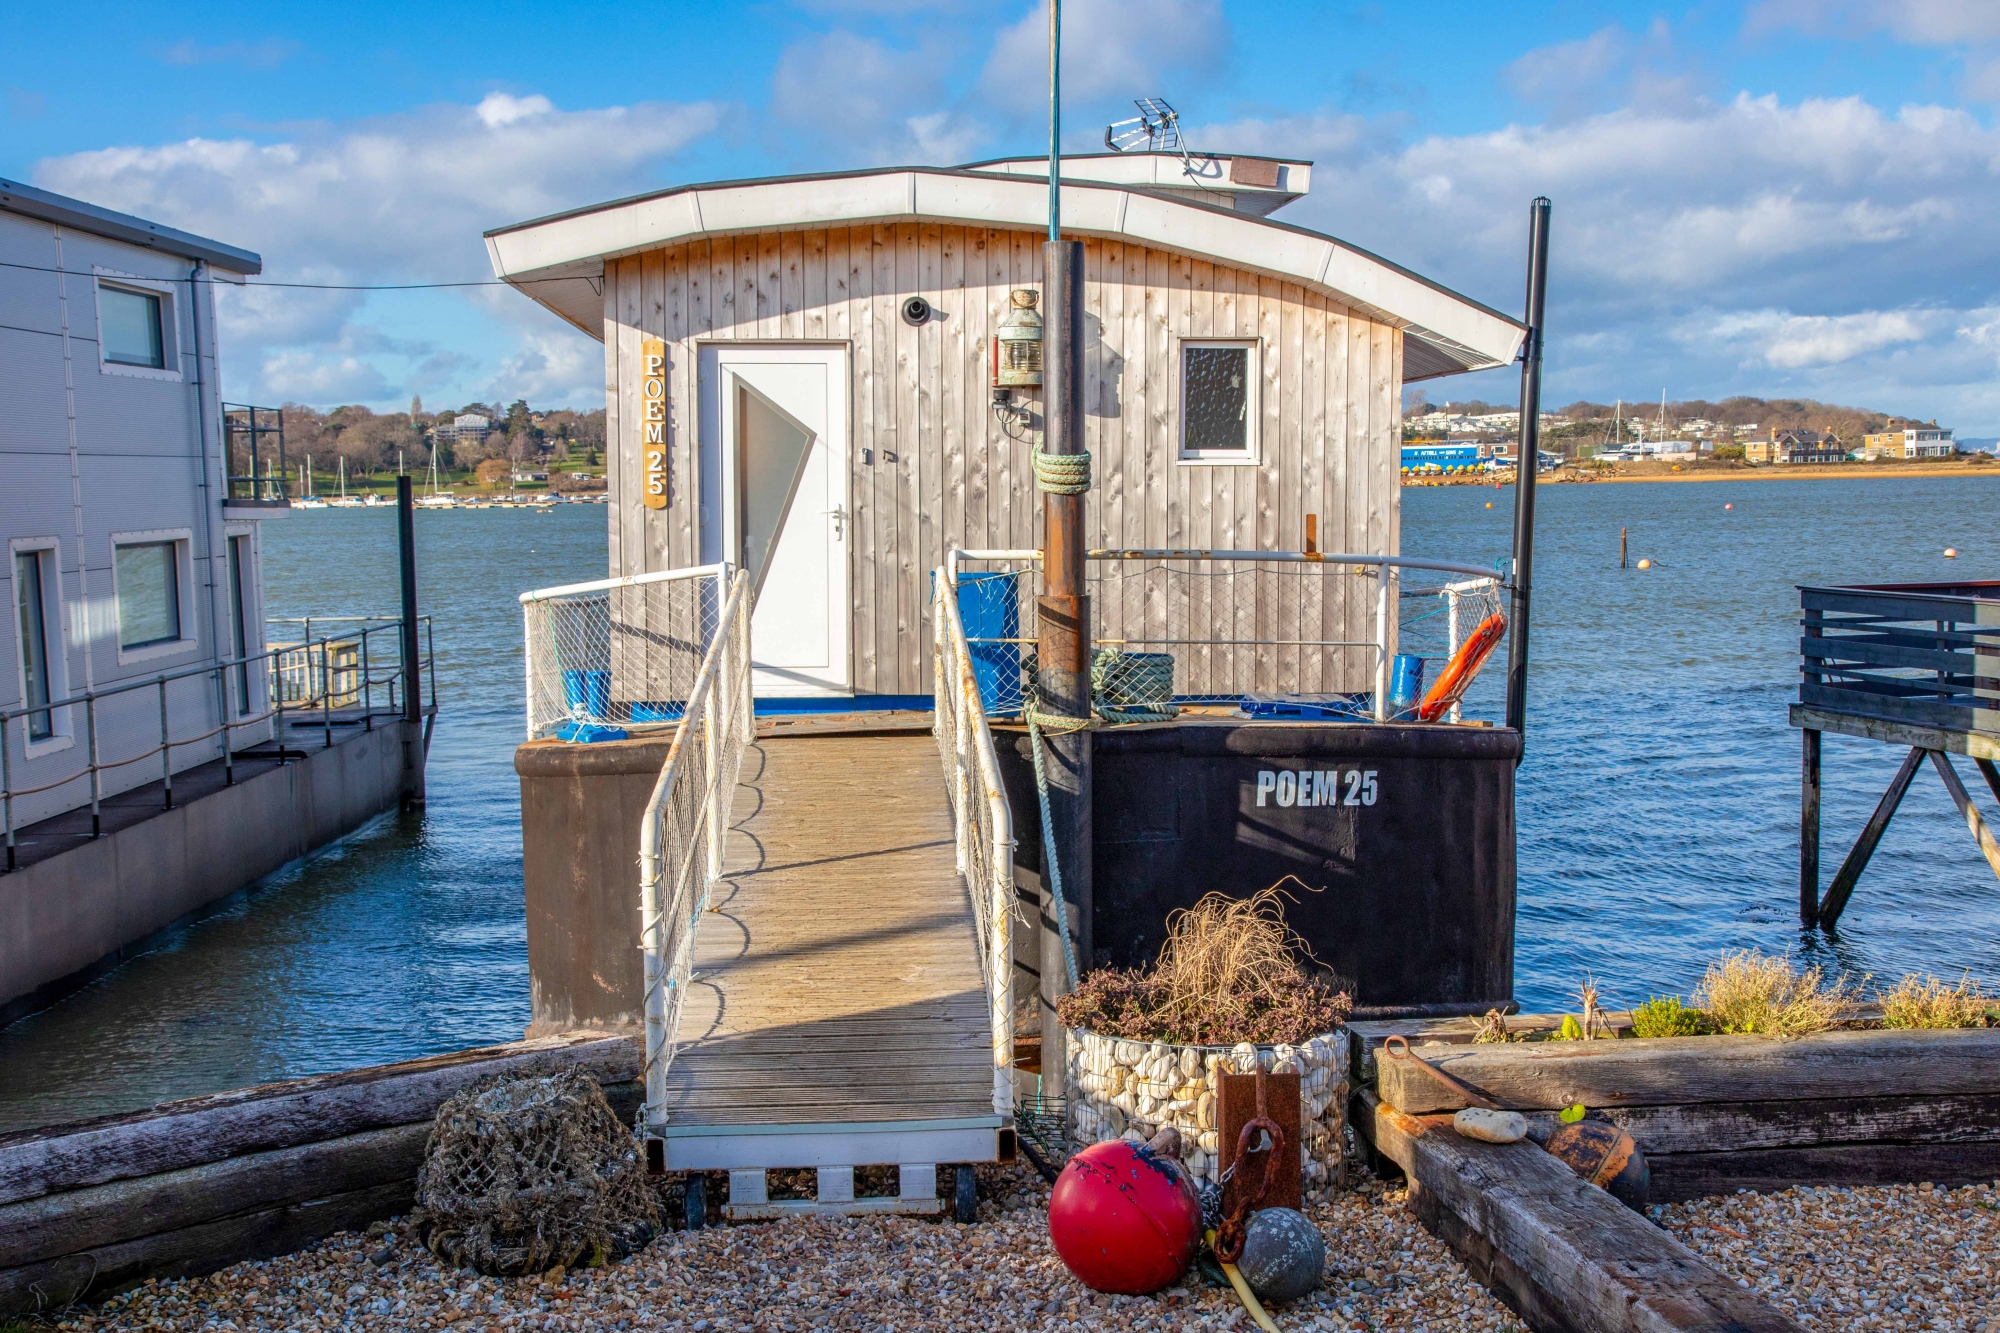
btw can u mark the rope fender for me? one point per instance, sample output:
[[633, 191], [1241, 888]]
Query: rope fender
[[1062, 474]]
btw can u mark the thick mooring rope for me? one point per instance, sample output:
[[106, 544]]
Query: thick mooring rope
[[1062, 474]]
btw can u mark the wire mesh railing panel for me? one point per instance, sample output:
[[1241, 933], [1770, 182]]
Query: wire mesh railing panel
[[1225, 629], [982, 823], [683, 835], [621, 653]]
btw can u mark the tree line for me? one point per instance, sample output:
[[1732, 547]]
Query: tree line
[[373, 441]]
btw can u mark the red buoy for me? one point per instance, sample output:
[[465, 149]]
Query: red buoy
[[1125, 1218]]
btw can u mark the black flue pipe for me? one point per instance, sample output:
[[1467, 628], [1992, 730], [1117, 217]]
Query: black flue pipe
[[1526, 461]]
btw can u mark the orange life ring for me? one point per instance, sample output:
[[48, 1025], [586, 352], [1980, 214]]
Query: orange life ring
[[1464, 665]]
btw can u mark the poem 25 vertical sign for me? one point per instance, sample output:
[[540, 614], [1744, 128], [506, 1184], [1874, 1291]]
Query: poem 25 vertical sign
[[653, 421]]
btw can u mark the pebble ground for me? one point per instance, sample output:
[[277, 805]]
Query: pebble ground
[[820, 1275], [1880, 1257]]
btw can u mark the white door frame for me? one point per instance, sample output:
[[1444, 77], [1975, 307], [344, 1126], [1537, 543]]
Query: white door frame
[[718, 523]]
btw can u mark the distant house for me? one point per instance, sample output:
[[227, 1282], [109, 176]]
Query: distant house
[[466, 427], [1805, 446], [1910, 442]]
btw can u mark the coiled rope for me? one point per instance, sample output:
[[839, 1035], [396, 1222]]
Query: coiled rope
[[1062, 474]]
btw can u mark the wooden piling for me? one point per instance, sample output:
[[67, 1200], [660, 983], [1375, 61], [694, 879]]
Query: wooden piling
[[1809, 829], [1621, 548]]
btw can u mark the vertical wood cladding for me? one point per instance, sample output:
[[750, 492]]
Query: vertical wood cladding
[[930, 467]]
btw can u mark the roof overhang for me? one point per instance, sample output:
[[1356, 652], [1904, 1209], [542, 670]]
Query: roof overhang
[[79, 216], [559, 260]]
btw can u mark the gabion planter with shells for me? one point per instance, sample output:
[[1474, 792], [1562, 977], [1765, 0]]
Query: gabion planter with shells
[[1132, 1089], [1231, 989]]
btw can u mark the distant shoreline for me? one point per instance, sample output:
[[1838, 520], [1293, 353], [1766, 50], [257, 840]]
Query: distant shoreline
[[1773, 472]]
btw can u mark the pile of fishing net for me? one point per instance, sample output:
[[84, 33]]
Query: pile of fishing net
[[524, 1174]]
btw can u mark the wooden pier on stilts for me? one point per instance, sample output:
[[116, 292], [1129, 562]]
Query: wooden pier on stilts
[[1909, 665]]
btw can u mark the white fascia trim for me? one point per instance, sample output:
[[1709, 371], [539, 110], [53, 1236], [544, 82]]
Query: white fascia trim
[[578, 244]]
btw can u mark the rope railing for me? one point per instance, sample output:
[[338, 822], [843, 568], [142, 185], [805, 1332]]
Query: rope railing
[[290, 682], [683, 833], [982, 823]]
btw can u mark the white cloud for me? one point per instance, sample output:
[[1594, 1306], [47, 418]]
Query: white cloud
[[1821, 247], [394, 198], [1111, 50], [1924, 22], [843, 99]]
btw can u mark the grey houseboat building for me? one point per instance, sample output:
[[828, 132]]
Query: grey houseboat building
[[864, 306]]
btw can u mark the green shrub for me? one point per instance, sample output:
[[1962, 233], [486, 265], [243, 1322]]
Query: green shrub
[[1666, 1016]]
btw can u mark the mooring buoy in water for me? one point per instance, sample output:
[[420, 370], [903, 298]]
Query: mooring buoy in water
[[1729, 506], [1951, 553], [1645, 564], [1489, 504]]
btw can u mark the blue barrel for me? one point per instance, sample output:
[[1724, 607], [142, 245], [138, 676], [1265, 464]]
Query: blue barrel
[[1406, 683], [587, 692], [991, 612]]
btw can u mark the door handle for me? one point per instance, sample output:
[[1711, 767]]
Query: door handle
[[839, 516]]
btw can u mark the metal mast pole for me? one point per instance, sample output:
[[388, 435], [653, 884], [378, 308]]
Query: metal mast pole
[[413, 693], [1526, 464], [1063, 611]]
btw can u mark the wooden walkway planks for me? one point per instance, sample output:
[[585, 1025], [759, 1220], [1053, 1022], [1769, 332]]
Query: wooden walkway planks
[[836, 979]]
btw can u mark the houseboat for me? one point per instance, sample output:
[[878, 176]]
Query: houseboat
[[826, 388]]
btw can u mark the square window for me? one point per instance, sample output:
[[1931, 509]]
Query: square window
[[129, 324], [1219, 402], [149, 594]]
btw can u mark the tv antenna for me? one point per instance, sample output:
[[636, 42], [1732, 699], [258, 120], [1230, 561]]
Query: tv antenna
[[1156, 129]]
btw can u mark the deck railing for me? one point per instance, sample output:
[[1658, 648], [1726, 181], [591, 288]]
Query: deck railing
[[308, 681], [1233, 624], [1924, 655], [620, 652], [983, 825], [683, 833]]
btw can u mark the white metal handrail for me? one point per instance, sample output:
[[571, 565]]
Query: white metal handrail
[[983, 824], [683, 832], [620, 651], [1387, 567]]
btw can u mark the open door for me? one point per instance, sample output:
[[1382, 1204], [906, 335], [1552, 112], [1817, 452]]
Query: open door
[[774, 502]]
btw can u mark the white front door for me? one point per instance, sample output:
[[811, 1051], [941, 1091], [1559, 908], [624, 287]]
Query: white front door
[[774, 474]]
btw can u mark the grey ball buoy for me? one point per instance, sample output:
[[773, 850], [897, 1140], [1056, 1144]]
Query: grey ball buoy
[[1283, 1254]]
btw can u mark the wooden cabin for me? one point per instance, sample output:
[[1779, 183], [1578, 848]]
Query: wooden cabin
[[818, 424]]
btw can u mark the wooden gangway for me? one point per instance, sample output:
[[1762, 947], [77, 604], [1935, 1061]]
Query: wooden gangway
[[836, 1015]]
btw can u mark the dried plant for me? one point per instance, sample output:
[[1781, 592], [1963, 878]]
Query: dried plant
[[1231, 970], [1492, 1028], [1926, 1002], [1751, 991]]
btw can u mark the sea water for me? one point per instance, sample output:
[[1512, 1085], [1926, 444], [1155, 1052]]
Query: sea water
[[1658, 801]]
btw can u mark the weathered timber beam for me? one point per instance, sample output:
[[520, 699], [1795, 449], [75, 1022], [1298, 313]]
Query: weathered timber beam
[[87, 1219], [1888, 1122], [1967, 810], [1849, 874], [1562, 1252], [1991, 773], [1679, 1176], [190, 1251], [178, 1135], [1809, 792], [1673, 1071]]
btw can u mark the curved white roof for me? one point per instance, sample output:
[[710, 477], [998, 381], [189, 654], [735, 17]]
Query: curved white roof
[[559, 260]]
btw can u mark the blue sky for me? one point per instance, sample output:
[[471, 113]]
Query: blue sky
[[1773, 197]]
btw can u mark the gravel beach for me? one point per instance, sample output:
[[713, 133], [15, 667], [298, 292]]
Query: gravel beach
[[1890, 1256], [821, 1274]]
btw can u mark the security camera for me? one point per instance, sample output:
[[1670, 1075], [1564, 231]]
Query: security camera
[[917, 310]]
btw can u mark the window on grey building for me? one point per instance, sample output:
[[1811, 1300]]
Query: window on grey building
[[129, 323], [31, 602], [1219, 402], [149, 594]]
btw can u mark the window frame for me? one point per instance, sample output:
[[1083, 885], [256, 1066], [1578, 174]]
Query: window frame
[[182, 540], [243, 584], [1252, 453], [169, 324], [56, 645]]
